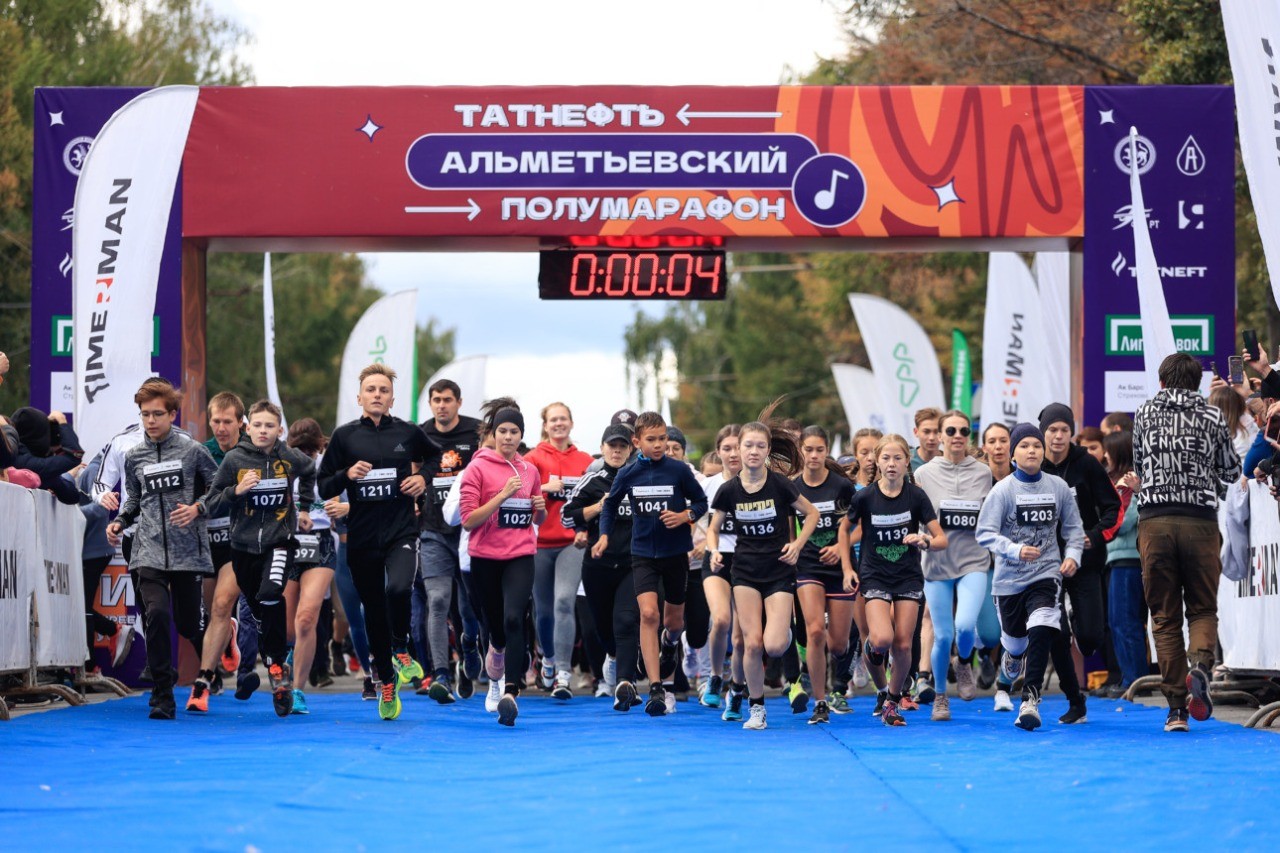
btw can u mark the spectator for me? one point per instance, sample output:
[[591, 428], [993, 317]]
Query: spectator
[[1090, 438], [1184, 459], [1126, 608], [1240, 423], [1117, 422], [46, 445]]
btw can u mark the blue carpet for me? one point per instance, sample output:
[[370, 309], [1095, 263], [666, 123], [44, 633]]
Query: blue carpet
[[582, 775]]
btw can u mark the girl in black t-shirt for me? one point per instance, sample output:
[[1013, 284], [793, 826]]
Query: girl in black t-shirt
[[891, 513], [763, 573]]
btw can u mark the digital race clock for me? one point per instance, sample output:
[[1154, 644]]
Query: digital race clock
[[659, 273]]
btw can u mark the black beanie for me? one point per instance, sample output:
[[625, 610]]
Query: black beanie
[[1055, 412], [32, 426], [508, 416]]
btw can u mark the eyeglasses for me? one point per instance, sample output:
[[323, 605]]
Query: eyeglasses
[[964, 431], [152, 416]]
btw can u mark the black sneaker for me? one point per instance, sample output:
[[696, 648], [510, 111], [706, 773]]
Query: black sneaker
[[162, 705], [1076, 713], [624, 696], [821, 714], [987, 672], [441, 690], [1176, 721], [368, 692], [881, 697], [507, 710], [657, 704], [337, 661], [668, 659], [215, 686], [1199, 705], [466, 687], [247, 686], [925, 693]]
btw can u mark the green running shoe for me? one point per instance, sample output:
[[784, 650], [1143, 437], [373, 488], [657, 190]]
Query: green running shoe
[[798, 697], [389, 699], [407, 669], [838, 703]]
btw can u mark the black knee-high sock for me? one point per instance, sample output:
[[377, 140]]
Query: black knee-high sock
[[1039, 641], [1065, 665]]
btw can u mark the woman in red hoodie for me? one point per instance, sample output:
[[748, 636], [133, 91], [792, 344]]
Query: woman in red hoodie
[[500, 500], [558, 565]]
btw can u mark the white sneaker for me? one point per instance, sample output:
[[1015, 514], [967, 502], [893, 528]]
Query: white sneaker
[[610, 671], [562, 688], [671, 700], [494, 696], [123, 642], [1010, 668], [1003, 702], [966, 686], [602, 690], [690, 664], [859, 672], [1029, 713], [548, 674], [756, 721]]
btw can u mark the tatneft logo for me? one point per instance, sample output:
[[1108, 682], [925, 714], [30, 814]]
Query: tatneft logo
[[1120, 263], [60, 339], [1192, 334], [1146, 153]]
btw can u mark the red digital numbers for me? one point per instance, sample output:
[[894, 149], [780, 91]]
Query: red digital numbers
[[630, 274]]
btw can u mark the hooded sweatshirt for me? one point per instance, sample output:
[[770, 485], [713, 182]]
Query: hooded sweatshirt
[[158, 476], [266, 516], [957, 490], [1096, 497], [567, 465], [1183, 453], [509, 532]]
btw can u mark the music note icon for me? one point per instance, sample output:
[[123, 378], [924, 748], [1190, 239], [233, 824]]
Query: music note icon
[[826, 199]]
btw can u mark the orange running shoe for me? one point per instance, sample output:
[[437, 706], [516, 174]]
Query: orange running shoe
[[199, 701], [230, 661]]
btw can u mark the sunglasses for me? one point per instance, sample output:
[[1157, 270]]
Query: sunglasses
[[964, 431]]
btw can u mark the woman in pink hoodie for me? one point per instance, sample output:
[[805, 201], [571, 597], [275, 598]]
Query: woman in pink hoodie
[[501, 502]]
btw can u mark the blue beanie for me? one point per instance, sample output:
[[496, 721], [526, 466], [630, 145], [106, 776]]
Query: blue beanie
[[1024, 430]]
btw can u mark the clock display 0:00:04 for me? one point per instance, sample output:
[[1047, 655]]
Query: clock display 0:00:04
[[614, 274]]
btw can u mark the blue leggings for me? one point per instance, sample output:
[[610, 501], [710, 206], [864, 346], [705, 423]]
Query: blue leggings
[[967, 594], [352, 606]]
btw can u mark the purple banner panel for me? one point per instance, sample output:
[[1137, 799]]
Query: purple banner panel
[[1186, 160]]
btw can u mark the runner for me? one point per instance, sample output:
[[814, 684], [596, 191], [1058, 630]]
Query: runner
[[1019, 523], [500, 500], [375, 460], [764, 558], [891, 513], [862, 669], [457, 437], [165, 477], [827, 605], [665, 499], [716, 588], [928, 432], [607, 578], [558, 564], [956, 483], [995, 451]]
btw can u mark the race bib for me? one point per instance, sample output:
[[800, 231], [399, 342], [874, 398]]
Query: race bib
[[891, 529], [440, 487], [515, 513], [270, 494], [378, 485], [308, 552], [758, 523], [563, 495], [828, 518], [959, 515], [1036, 510], [219, 530], [729, 528], [624, 507], [162, 477], [651, 500]]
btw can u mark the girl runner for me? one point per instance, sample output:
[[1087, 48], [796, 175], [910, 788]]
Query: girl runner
[[891, 513], [827, 605], [957, 483], [996, 453], [765, 556], [866, 667], [715, 583]]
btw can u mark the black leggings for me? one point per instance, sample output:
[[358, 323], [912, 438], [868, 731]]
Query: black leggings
[[172, 598], [697, 613], [1086, 624], [383, 579], [261, 579], [505, 589], [95, 622], [612, 599]]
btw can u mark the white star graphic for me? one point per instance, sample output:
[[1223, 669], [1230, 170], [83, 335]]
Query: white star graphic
[[56, 118], [370, 128], [1107, 116], [946, 194]]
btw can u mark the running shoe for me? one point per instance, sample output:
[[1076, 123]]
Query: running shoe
[[882, 696], [690, 663], [923, 691], [507, 710], [798, 697], [965, 685], [657, 704], [441, 690], [563, 687], [321, 678], [838, 704], [667, 657], [299, 702], [1176, 721], [821, 713], [710, 697], [941, 709], [892, 716], [119, 643], [247, 685], [733, 708], [199, 701], [215, 686], [466, 686], [353, 663], [389, 699], [602, 690], [1010, 668], [423, 687], [670, 697], [547, 674], [1199, 704], [230, 660], [1076, 713], [987, 671], [338, 663], [804, 678], [406, 668], [162, 705], [495, 663], [861, 677], [494, 696], [1003, 702], [281, 688], [624, 696], [470, 658], [1029, 712], [906, 703], [367, 691], [610, 672], [755, 722]]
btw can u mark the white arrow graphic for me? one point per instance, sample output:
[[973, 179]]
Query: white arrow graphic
[[684, 114], [472, 209]]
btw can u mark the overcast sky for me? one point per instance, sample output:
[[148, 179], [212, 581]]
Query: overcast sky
[[570, 42]]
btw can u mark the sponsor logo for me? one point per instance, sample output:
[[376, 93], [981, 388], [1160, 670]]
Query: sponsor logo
[[1190, 216], [74, 154], [1146, 154], [1192, 334], [908, 386], [1124, 218], [64, 266], [1121, 263], [1191, 158], [69, 218], [61, 343]]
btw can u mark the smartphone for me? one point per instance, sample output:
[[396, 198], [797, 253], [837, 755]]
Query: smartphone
[[1273, 428], [1235, 368], [1251, 344]]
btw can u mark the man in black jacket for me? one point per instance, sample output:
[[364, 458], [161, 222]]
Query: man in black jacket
[[47, 446]]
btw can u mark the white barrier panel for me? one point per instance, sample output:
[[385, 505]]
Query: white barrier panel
[[19, 550], [59, 583], [1249, 609]]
